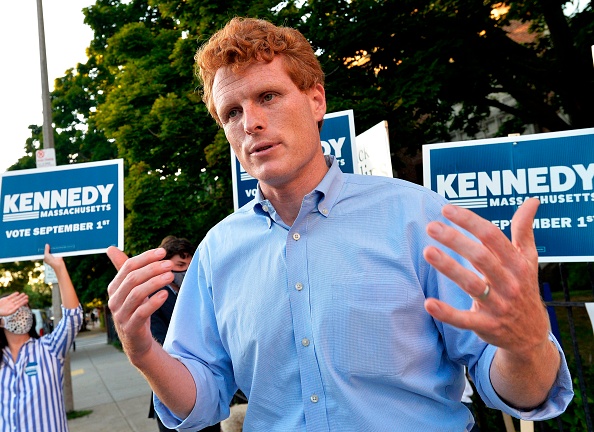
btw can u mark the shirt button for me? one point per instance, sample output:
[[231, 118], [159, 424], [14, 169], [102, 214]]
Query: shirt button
[[305, 342], [265, 208], [296, 236], [324, 211], [298, 286], [314, 398]]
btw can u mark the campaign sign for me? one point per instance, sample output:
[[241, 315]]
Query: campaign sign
[[337, 138], [373, 149], [493, 177], [77, 209]]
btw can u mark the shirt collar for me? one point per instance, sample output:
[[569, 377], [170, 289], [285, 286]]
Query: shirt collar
[[325, 193], [330, 187]]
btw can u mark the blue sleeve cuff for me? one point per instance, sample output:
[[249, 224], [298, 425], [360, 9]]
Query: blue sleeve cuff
[[207, 399], [557, 401]]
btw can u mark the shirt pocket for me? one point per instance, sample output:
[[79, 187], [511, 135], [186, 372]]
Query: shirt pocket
[[365, 329]]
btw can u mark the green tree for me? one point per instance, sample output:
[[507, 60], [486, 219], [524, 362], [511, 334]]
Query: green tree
[[411, 61]]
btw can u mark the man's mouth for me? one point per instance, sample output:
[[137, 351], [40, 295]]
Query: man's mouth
[[262, 148], [258, 150]]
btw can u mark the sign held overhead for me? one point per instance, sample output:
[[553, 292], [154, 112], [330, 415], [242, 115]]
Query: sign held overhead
[[78, 209]]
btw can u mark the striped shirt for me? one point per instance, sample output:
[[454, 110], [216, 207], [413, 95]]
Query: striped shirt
[[31, 398]]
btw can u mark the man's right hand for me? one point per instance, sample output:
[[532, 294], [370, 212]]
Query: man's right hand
[[129, 301]]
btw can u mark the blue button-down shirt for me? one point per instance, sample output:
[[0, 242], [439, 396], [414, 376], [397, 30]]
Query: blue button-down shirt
[[322, 325]]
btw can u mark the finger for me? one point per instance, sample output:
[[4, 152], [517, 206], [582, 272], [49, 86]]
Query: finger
[[117, 257], [150, 305], [47, 256], [478, 254], [136, 315], [22, 299], [469, 281], [138, 270], [448, 314], [134, 330], [132, 307], [489, 235], [467, 320], [124, 265], [521, 228], [18, 297], [15, 300]]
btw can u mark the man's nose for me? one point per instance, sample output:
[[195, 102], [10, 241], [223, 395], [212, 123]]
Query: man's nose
[[254, 119]]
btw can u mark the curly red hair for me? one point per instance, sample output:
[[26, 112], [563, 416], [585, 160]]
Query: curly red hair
[[244, 41]]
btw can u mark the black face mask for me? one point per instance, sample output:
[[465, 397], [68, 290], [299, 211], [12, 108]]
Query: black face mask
[[178, 277]]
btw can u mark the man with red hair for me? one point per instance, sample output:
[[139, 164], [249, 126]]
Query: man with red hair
[[327, 299]]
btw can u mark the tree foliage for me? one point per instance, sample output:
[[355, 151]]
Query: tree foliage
[[411, 61], [406, 61]]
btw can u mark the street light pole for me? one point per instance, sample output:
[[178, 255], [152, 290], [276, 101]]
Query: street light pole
[[48, 132], [48, 142]]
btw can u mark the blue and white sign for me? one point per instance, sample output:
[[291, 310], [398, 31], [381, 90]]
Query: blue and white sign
[[494, 176], [337, 138], [77, 209]]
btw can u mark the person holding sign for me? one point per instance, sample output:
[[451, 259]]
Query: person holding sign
[[329, 299], [32, 367]]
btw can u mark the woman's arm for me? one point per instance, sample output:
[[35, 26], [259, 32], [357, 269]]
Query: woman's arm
[[69, 297]]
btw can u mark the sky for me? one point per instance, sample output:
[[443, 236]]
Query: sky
[[66, 40]]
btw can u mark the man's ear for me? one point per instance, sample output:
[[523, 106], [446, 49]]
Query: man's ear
[[318, 98]]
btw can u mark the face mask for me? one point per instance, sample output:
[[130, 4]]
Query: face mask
[[178, 277], [19, 322]]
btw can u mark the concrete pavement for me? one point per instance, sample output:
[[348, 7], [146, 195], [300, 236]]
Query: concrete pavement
[[104, 381]]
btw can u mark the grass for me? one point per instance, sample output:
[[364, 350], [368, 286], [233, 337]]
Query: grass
[[71, 415], [116, 343]]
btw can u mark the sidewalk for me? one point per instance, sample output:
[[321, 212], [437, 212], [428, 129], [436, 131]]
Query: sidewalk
[[104, 381]]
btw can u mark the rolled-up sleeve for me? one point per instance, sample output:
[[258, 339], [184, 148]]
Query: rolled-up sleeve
[[557, 401], [193, 338]]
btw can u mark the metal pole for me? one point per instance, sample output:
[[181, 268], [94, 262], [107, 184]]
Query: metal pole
[[48, 131], [48, 142]]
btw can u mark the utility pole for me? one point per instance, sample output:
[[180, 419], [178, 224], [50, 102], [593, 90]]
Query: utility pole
[[48, 142], [48, 130]]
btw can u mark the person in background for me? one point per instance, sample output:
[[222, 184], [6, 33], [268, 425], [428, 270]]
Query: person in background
[[32, 367], [329, 299], [180, 252]]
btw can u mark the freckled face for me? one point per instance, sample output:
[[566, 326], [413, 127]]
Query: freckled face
[[271, 125]]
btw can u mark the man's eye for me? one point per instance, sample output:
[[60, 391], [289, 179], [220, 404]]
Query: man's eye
[[232, 113], [268, 97]]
